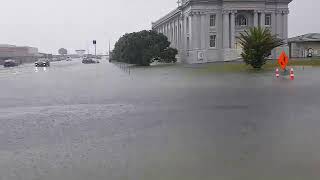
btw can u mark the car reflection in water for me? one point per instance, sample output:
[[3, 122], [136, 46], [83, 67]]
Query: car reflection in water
[[42, 63], [89, 61]]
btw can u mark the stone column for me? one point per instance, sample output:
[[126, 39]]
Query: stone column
[[285, 25], [226, 29], [279, 24], [198, 30], [177, 33], [255, 18], [206, 29], [185, 34], [262, 19], [273, 22], [170, 32], [233, 29], [203, 32], [167, 31], [193, 31], [174, 34]]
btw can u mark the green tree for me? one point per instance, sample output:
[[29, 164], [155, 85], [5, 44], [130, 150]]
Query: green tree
[[63, 51], [257, 44], [168, 55], [143, 48]]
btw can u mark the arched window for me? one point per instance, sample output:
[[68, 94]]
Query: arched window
[[241, 20]]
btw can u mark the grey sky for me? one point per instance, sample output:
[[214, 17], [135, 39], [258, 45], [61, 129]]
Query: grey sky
[[51, 24]]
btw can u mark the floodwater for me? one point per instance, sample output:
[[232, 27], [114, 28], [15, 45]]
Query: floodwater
[[78, 122]]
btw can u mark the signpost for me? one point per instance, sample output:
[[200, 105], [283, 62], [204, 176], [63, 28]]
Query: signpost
[[95, 47], [283, 60]]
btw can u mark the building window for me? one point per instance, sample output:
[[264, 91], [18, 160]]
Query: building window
[[213, 41], [268, 20], [212, 20], [241, 20]]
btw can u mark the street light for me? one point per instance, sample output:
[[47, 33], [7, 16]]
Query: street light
[[95, 47]]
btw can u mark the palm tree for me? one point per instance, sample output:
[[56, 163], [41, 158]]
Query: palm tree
[[257, 44]]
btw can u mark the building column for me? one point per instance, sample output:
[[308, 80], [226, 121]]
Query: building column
[[285, 25], [206, 29], [203, 31], [171, 34], [279, 24], [193, 32], [198, 30], [233, 29], [255, 18], [174, 34], [185, 33], [226, 29], [262, 19], [273, 23], [177, 34]]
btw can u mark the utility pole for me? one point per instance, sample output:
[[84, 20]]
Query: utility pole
[[109, 52], [95, 47], [109, 47]]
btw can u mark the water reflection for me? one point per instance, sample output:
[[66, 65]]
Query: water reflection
[[38, 69]]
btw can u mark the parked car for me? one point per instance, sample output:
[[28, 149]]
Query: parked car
[[69, 59], [42, 63], [10, 63]]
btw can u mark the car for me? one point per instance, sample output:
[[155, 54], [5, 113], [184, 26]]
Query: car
[[69, 59], [89, 61], [42, 63], [10, 63]]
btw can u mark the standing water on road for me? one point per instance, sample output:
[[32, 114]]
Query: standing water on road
[[76, 121]]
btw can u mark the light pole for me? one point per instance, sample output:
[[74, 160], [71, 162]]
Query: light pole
[[95, 47]]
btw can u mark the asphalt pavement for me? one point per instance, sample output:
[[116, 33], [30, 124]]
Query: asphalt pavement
[[73, 121]]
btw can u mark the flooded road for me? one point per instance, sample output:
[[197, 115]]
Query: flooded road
[[78, 122]]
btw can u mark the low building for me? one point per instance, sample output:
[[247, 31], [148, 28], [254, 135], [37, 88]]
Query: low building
[[207, 31], [12, 51], [307, 45], [20, 53]]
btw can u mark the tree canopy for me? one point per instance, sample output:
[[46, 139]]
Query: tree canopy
[[257, 44], [63, 51], [143, 48]]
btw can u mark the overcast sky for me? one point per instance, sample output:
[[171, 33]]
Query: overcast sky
[[73, 24]]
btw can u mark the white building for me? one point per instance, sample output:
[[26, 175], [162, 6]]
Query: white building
[[307, 45], [206, 30]]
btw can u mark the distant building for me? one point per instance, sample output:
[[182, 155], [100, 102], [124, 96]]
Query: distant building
[[207, 30], [307, 45], [12, 51], [22, 54]]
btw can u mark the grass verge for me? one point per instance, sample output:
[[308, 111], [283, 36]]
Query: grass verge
[[269, 66]]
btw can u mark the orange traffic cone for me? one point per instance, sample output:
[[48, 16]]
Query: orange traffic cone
[[277, 73], [291, 74]]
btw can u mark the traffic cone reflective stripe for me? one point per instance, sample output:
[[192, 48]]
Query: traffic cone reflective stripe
[[292, 74]]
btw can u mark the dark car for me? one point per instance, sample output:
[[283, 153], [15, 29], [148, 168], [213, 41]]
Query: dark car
[[89, 61], [42, 63], [10, 63]]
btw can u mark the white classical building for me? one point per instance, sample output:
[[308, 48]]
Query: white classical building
[[207, 30]]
